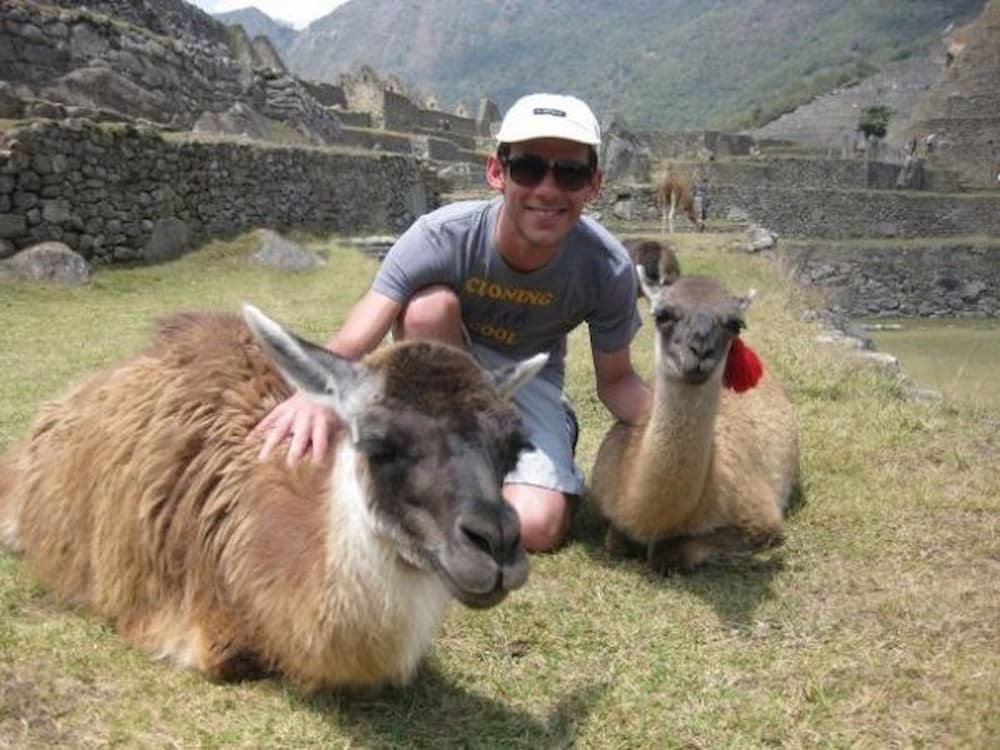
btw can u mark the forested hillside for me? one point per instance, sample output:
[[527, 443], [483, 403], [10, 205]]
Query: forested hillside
[[659, 63]]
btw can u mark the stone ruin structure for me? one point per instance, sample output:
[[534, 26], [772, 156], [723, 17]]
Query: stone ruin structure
[[906, 229], [944, 105], [960, 115], [385, 104], [170, 64], [121, 158], [164, 62], [149, 126], [847, 226]]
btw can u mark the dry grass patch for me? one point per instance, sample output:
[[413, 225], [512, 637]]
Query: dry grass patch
[[874, 626]]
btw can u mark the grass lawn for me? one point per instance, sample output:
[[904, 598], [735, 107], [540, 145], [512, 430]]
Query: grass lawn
[[876, 625]]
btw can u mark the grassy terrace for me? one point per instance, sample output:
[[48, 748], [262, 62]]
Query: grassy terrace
[[876, 625]]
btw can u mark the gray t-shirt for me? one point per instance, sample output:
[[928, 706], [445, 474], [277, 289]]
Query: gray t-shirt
[[518, 314]]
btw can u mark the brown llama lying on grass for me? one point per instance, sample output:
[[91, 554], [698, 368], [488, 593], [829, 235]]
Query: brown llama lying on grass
[[657, 259], [138, 495], [673, 192], [710, 472]]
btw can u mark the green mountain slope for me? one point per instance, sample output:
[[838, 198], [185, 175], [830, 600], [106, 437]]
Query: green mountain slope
[[658, 63], [257, 23]]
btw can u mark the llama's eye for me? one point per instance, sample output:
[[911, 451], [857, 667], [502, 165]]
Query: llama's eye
[[380, 449], [664, 316], [734, 325]]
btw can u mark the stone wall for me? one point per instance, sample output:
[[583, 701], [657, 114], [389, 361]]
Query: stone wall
[[812, 173], [839, 214], [402, 114], [869, 249], [124, 193], [328, 95], [971, 144], [929, 279], [378, 140], [831, 214], [354, 120], [679, 144]]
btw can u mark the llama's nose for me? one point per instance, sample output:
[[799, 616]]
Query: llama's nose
[[494, 531], [701, 338], [478, 535]]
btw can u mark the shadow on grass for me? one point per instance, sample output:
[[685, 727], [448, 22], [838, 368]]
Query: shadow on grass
[[433, 712], [797, 500], [734, 590]]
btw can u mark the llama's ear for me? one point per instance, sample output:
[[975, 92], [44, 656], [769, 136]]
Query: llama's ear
[[508, 379], [332, 381], [745, 301]]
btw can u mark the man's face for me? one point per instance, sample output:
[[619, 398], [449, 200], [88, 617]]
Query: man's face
[[536, 217]]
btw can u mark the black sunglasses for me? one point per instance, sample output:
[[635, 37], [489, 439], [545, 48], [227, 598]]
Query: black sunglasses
[[528, 170]]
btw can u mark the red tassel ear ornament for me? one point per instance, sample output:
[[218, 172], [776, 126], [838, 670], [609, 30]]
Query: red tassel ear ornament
[[743, 367]]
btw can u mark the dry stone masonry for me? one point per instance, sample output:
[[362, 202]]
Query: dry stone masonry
[[927, 248], [365, 156], [116, 60], [125, 193], [931, 279]]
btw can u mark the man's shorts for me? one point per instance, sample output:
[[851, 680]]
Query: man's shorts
[[552, 429]]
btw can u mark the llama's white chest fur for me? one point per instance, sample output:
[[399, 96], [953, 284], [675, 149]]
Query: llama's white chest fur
[[402, 606]]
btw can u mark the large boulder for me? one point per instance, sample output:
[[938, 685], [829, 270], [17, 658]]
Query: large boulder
[[284, 255], [47, 261], [759, 239]]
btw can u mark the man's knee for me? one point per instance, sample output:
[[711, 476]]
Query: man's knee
[[545, 515], [432, 313]]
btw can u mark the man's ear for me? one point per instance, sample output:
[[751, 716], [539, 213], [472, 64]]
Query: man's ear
[[495, 175], [595, 185]]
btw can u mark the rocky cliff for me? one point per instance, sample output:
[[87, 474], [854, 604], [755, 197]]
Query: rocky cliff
[[165, 62], [962, 109]]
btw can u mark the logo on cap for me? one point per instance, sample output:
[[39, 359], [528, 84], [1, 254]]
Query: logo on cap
[[548, 111]]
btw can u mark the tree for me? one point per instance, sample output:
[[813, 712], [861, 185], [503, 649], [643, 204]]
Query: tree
[[874, 120]]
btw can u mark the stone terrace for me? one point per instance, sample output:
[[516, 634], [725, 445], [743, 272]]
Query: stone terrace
[[845, 226]]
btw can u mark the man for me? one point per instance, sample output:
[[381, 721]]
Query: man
[[509, 278]]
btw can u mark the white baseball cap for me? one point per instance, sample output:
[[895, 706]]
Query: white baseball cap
[[549, 116]]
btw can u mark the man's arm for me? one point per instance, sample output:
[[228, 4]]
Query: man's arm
[[619, 387], [366, 325], [307, 422]]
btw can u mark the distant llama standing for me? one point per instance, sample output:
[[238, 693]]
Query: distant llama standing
[[139, 496], [672, 192], [710, 472]]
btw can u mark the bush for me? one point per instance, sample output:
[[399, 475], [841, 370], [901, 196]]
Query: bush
[[874, 120]]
